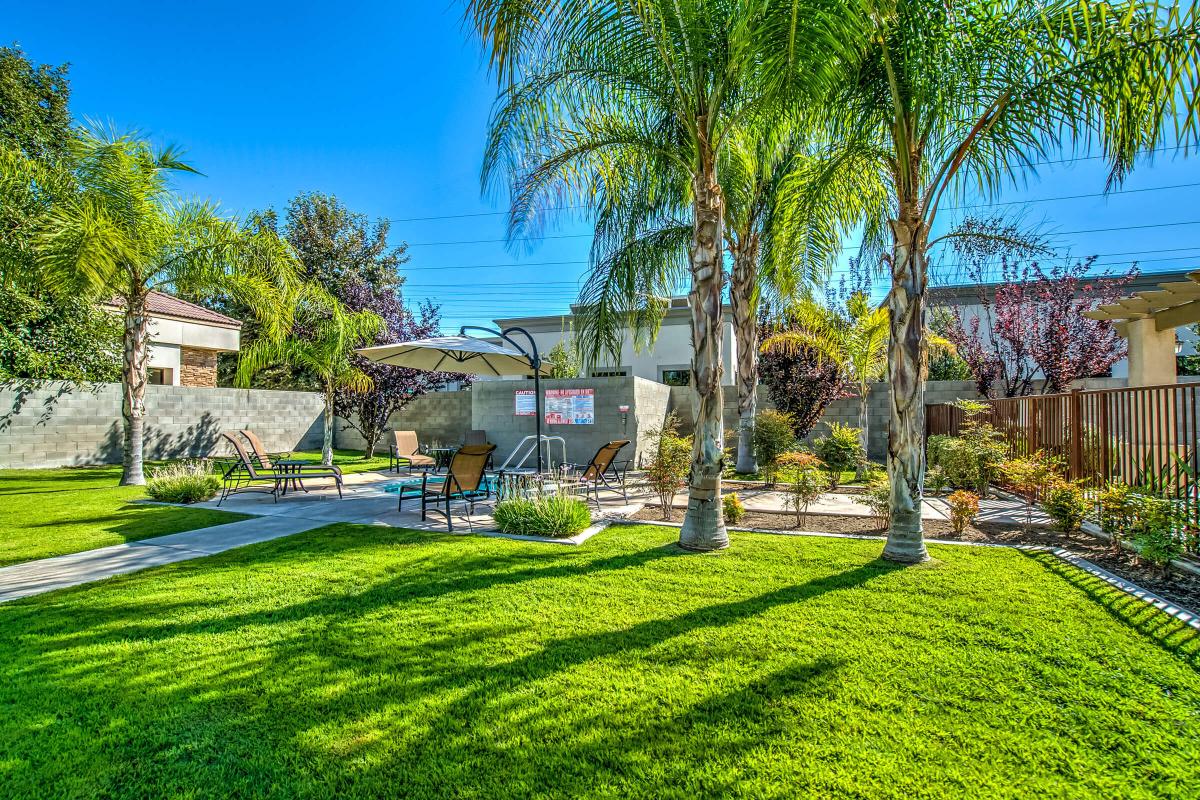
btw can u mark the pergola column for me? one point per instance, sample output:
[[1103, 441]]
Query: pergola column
[[1151, 353]]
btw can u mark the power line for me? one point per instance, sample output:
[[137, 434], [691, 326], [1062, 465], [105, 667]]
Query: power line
[[1073, 197]]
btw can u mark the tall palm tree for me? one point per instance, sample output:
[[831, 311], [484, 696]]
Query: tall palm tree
[[321, 341], [589, 84], [123, 234], [937, 98]]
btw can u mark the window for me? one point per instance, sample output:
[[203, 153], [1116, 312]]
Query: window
[[676, 377], [609, 373], [158, 376]]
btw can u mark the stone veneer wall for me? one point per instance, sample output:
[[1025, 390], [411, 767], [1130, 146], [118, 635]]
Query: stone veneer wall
[[62, 424], [197, 367]]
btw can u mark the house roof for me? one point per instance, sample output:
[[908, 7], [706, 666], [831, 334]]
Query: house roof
[[161, 304]]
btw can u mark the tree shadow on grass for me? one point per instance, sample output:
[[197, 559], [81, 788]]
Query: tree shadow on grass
[[1172, 635]]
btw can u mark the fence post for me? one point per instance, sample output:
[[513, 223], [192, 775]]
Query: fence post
[[1075, 409]]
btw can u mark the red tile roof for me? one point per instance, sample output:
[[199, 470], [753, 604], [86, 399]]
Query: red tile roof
[[164, 305]]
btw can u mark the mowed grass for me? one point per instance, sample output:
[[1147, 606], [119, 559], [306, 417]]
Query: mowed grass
[[50, 512], [358, 662], [350, 461]]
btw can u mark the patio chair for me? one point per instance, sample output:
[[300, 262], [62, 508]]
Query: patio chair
[[267, 460], [402, 452], [243, 476], [478, 437], [603, 470], [464, 482]]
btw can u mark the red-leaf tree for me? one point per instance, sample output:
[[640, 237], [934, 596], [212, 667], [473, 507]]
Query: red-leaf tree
[[1033, 326], [392, 388]]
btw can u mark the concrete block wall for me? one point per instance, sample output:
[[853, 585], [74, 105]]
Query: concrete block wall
[[62, 424], [441, 417]]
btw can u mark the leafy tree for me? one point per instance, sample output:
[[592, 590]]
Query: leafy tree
[[800, 382], [391, 388], [335, 245], [34, 115], [937, 98], [601, 97], [66, 339], [124, 234], [856, 341], [321, 340], [1034, 324]]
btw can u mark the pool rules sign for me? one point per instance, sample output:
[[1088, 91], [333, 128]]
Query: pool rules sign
[[563, 406]]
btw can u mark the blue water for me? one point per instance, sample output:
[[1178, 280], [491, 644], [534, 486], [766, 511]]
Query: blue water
[[489, 482]]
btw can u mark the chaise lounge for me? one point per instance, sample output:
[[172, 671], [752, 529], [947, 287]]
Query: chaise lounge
[[463, 482], [244, 476], [403, 452]]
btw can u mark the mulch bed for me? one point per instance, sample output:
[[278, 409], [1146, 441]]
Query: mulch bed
[[1182, 588]]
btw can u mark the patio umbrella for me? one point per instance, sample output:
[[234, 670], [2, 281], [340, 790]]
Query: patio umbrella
[[471, 355], [454, 354]]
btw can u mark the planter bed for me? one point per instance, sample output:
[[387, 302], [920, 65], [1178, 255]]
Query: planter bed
[[1182, 588]]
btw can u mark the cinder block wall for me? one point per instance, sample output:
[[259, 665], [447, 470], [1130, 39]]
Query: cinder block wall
[[62, 424], [442, 417]]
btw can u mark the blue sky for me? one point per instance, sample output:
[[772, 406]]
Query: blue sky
[[386, 104]]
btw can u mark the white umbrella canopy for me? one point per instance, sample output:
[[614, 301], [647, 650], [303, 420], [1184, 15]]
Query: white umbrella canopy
[[453, 354]]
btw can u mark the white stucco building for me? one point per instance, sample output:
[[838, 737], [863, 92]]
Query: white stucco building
[[667, 361], [185, 340]]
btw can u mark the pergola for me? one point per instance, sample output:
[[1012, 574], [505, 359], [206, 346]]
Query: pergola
[[1148, 320]]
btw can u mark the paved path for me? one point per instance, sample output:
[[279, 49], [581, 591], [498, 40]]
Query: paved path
[[48, 574]]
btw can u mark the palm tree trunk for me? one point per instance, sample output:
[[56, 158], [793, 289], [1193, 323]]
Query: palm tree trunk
[[327, 439], [743, 297], [906, 371], [704, 524], [864, 420], [136, 351]]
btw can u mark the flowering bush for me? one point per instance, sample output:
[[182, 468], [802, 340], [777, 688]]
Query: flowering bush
[[734, 508], [670, 460], [964, 507]]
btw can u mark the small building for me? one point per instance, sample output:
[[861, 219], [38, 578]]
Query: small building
[[185, 340], [668, 360]]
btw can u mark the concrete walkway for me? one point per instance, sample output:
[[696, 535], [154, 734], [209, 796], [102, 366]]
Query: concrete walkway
[[365, 502], [48, 574]]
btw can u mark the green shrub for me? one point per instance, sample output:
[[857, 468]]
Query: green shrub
[[1116, 511], [670, 461], [183, 482], [774, 434], [840, 450], [936, 480], [1067, 507], [805, 486], [734, 508], [550, 515], [1159, 547], [878, 498], [964, 507]]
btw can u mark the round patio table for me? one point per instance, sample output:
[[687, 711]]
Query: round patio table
[[442, 456], [291, 470]]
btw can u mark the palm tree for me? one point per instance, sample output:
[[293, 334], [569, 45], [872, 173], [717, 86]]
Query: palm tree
[[600, 96], [857, 341], [321, 341], [937, 98], [123, 234]]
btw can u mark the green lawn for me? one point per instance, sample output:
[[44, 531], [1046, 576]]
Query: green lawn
[[371, 662], [49, 512], [350, 461]]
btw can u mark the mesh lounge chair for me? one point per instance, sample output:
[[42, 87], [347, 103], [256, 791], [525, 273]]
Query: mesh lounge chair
[[478, 437], [464, 482], [603, 470], [402, 452], [243, 476], [267, 460]]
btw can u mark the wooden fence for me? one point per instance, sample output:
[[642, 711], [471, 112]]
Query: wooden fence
[[1144, 436]]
